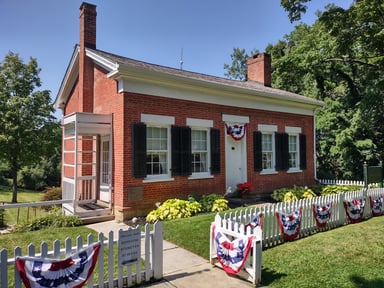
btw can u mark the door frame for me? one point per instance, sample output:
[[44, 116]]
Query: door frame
[[239, 120], [105, 187]]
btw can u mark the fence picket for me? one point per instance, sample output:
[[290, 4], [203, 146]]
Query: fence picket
[[272, 235], [152, 242]]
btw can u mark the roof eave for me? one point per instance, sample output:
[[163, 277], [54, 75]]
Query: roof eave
[[127, 71], [68, 81]]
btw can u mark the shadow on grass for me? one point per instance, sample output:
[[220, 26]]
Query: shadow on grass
[[360, 282], [269, 276]]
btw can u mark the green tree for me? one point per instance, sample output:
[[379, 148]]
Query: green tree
[[339, 59], [26, 116], [237, 70]]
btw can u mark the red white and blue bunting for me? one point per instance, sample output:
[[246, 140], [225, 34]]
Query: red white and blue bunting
[[231, 254], [289, 223], [376, 205], [322, 213], [257, 221], [236, 131], [354, 209], [71, 272]]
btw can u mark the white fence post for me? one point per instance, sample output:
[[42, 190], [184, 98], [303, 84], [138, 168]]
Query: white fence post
[[153, 258], [158, 250]]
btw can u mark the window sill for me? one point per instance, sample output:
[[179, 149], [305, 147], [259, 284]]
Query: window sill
[[158, 180], [196, 177], [294, 171], [268, 172]]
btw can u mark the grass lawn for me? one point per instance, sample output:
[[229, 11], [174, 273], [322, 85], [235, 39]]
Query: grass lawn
[[20, 215], [349, 256]]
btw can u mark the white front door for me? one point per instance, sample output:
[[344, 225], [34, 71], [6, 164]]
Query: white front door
[[235, 161], [105, 170]]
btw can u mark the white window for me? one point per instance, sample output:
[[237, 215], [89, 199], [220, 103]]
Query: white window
[[293, 151], [200, 146], [157, 150], [158, 146], [199, 151], [293, 147], [267, 151], [268, 147]]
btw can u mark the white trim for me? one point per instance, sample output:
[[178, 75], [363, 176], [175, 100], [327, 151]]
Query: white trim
[[267, 128], [193, 122], [292, 130], [101, 61], [157, 119], [235, 118]]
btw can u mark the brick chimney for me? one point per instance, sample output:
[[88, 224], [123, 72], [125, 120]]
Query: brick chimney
[[88, 25], [87, 40], [259, 68]]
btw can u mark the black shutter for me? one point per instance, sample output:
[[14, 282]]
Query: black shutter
[[215, 151], [139, 140], [181, 154], [281, 150], [257, 152], [303, 151], [285, 151], [186, 151], [278, 152]]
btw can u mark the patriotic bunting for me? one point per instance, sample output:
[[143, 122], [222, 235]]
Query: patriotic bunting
[[354, 209], [236, 131], [322, 213], [257, 221], [376, 205], [231, 254], [289, 223], [71, 272]]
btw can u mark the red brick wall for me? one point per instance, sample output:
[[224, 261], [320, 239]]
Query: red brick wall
[[127, 109], [181, 187]]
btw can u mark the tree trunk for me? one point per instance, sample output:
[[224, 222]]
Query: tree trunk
[[14, 185]]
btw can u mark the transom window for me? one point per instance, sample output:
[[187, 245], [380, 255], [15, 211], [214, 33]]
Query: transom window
[[199, 151], [157, 150]]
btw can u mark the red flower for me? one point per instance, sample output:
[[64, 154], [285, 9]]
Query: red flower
[[244, 188]]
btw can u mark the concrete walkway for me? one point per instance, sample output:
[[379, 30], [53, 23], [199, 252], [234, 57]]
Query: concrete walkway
[[182, 269]]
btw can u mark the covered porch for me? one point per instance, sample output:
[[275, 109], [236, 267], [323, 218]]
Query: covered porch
[[87, 165]]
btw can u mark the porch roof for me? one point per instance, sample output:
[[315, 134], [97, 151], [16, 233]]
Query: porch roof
[[87, 123]]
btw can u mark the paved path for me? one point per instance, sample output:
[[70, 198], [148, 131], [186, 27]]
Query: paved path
[[182, 269]]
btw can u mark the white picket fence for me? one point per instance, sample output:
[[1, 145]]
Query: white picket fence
[[251, 271], [272, 235], [341, 182], [111, 272]]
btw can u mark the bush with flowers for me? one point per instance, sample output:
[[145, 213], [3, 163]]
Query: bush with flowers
[[244, 188], [176, 208]]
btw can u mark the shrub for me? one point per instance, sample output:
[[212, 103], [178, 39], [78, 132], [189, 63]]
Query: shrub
[[244, 188], [294, 193], [51, 194], [289, 196], [2, 218], [207, 202], [334, 189], [173, 209], [220, 205], [54, 218]]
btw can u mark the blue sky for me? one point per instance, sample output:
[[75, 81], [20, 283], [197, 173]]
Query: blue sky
[[155, 31]]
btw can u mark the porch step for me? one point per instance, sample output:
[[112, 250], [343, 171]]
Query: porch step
[[97, 219]]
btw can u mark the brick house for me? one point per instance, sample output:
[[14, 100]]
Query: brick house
[[136, 133]]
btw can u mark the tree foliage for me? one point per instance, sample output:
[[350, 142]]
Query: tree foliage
[[26, 116], [339, 59]]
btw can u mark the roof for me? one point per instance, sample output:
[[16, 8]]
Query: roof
[[120, 67]]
